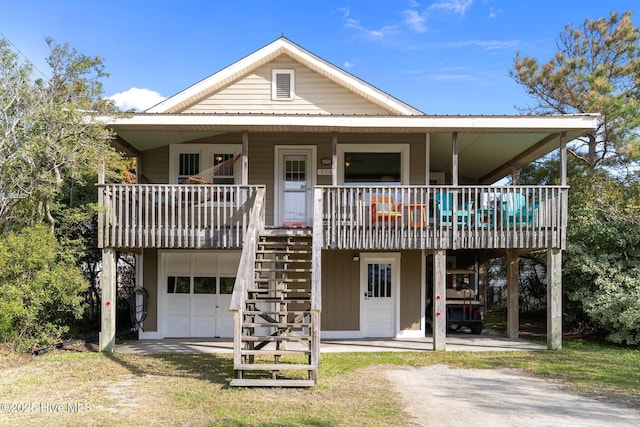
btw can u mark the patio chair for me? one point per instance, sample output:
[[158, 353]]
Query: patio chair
[[516, 210], [384, 209], [444, 210]]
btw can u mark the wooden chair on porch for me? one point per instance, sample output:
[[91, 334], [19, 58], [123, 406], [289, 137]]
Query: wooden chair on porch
[[444, 207], [384, 209]]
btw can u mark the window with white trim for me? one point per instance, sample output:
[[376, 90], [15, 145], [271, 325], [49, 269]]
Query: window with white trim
[[373, 164], [205, 164], [282, 85]]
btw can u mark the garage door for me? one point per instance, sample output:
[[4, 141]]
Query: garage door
[[197, 290]]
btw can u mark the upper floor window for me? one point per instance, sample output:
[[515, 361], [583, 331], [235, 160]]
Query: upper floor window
[[282, 85], [188, 165], [373, 164], [204, 164]]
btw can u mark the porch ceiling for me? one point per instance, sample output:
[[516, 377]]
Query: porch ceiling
[[488, 146]]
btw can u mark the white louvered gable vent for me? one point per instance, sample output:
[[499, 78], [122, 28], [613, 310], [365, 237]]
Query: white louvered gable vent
[[282, 85]]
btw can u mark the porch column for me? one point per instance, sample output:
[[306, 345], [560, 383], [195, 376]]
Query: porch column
[[563, 158], [454, 159], [334, 160], [554, 299], [245, 158], [427, 158], [108, 303], [513, 308], [439, 299]]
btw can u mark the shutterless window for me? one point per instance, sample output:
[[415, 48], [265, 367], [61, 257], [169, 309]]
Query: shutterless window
[[188, 165], [282, 84], [223, 168], [372, 168]]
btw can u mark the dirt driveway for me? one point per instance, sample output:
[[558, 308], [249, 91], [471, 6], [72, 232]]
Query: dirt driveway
[[439, 396]]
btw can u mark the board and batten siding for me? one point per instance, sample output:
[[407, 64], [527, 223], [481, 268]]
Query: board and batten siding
[[314, 94]]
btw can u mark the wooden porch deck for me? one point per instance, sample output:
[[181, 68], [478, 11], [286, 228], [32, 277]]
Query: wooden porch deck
[[365, 218]]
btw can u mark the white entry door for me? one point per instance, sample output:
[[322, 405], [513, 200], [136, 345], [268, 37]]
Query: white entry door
[[294, 181], [379, 279]]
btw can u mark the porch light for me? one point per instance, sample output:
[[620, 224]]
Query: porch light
[[356, 258]]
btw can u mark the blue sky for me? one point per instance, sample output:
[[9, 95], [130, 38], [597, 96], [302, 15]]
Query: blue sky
[[440, 56]]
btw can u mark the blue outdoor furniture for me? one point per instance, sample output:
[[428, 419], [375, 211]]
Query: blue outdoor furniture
[[516, 210], [444, 210]]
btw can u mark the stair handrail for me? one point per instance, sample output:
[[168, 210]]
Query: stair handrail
[[246, 269]]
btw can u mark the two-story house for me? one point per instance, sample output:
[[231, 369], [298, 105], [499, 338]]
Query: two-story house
[[314, 205]]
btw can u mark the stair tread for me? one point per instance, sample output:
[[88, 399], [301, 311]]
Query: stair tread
[[274, 367], [276, 325], [285, 290], [268, 352], [271, 383], [253, 338]]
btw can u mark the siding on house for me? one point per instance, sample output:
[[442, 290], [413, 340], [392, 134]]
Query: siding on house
[[155, 166], [150, 283], [410, 290], [340, 291], [314, 94]]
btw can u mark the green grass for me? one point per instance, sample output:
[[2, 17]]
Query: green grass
[[352, 390]]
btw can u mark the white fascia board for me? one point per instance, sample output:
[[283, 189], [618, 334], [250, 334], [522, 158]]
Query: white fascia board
[[410, 123]]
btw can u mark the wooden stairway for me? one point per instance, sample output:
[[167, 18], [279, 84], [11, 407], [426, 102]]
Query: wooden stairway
[[276, 340]]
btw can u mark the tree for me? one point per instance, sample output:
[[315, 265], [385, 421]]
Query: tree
[[49, 131], [596, 70]]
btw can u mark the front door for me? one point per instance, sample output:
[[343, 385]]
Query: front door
[[294, 183], [379, 278]]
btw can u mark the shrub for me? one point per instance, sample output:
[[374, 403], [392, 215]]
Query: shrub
[[39, 288]]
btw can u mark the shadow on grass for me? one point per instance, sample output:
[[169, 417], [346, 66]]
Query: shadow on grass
[[214, 368]]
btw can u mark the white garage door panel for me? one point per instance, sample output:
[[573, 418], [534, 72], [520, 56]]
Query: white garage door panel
[[198, 314]]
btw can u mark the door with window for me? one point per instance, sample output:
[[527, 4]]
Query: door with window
[[294, 183], [379, 279], [197, 294]]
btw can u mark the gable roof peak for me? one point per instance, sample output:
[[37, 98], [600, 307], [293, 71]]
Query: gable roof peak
[[282, 45]]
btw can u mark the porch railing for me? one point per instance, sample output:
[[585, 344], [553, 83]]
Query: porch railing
[[442, 217], [174, 216]]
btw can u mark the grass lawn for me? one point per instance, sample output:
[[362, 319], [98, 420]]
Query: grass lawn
[[82, 388]]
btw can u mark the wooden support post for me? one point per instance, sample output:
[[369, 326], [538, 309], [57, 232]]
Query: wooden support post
[[334, 160], [563, 158], [439, 299], [513, 306], [454, 161], [554, 299], [427, 158], [108, 307], [245, 158]]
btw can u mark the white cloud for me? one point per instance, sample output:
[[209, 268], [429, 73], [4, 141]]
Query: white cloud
[[345, 12], [415, 20], [455, 6], [136, 99], [374, 34], [348, 64]]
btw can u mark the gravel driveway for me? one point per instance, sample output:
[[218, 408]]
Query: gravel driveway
[[439, 396]]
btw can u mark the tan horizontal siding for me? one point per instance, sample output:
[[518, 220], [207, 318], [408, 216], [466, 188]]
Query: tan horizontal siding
[[314, 94]]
